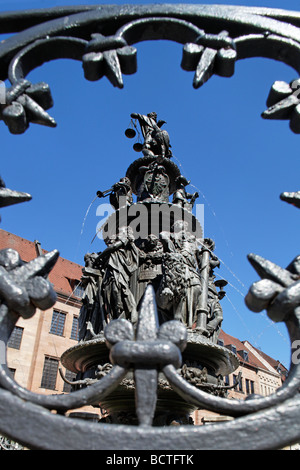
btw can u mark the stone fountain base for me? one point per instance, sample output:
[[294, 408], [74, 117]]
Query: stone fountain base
[[204, 364]]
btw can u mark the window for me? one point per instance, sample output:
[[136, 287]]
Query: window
[[226, 380], [220, 342], [49, 373], [58, 323], [249, 386], [232, 348], [69, 376], [245, 355], [15, 338], [240, 384], [78, 289], [12, 372], [74, 331]]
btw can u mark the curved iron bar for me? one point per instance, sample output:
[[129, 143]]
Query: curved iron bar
[[262, 36], [212, 18], [269, 46], [55, 432], [147, 29], [14, 21], [44, 50]]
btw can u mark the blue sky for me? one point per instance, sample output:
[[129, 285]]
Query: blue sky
[[238, 162]]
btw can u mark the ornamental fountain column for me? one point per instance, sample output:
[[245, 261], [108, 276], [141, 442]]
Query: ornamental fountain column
[[154, 249]]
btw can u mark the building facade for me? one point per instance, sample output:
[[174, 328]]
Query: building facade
[[36, 345], [260, 375]]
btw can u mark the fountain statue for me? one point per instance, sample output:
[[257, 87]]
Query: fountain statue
[[158, 243]]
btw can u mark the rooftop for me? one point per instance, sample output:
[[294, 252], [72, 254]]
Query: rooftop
[[252, 359], [63, 276]]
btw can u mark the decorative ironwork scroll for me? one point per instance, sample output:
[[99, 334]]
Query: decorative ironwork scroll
[[103, 39]]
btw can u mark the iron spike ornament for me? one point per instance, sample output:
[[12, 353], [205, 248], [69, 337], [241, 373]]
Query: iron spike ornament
[[157, 302]]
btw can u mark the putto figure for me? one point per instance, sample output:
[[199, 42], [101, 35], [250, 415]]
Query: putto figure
[[119, 194], [181, 197]]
